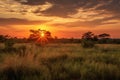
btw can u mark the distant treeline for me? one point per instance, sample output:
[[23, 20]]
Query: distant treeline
[[44, 37], [60, 40], [100, 41]]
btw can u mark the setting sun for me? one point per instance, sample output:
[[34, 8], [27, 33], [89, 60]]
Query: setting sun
[[42, 34]]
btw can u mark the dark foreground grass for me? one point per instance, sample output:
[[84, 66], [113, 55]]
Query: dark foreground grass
[[62, 62]]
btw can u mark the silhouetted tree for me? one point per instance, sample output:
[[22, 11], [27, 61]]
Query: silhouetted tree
[[104, 36], [88, 36], [88, 40], [40, 36], [47, 34], [3, 38]]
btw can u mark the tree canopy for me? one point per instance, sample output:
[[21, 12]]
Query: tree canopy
[[40, 36]]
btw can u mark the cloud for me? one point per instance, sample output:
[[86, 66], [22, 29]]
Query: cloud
[[15, 21], [61, 8], [92, 23], [31, 2], [88, 12], [113, 6], [64, 8], [41, 8]]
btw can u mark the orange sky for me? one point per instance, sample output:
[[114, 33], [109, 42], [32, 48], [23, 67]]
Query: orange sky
[[62, 18]]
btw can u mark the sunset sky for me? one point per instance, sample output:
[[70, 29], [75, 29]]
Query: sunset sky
[[63, 18]]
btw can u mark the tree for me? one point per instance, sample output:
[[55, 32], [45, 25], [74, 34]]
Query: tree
[[104, 38], [88, 36], [88, 40], [3, 38], [41, 37]]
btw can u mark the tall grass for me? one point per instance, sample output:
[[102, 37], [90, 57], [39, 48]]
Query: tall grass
[[61, 62]]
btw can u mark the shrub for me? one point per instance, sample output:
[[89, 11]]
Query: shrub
[[87, 43], [9, 43], [9, 46]]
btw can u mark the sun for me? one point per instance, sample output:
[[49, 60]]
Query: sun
[[42, 34]]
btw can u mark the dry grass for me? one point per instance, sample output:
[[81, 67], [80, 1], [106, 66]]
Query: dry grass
[[62, 62]]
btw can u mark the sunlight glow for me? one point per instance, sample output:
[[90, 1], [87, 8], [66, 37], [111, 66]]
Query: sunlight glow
[[42, 34], [43, 27]]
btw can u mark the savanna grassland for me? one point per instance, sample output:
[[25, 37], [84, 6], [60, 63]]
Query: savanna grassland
[[60, 62]]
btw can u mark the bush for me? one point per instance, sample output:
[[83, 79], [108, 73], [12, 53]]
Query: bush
[[9, 43], [87, 43]]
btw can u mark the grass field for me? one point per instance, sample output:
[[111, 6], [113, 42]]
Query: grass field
[[61, 62]]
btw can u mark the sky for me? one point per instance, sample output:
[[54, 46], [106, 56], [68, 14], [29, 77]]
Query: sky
[[63, 18]]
